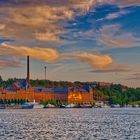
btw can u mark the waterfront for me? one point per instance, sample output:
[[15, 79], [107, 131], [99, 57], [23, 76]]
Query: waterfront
[[70, 124]]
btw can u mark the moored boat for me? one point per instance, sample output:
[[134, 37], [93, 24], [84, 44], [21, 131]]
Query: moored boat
[[86, 106], [62, 106], [38, 106], [50, 106], [2, 106], [70, 106], [115, 106], [27, 106]]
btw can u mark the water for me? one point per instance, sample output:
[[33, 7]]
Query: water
[[70, 124]]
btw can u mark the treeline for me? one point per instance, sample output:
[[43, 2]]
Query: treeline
[[13, 101], [44, 83], [112, 94], [48, 83], [35, 83], [115, 94], [7, 83]]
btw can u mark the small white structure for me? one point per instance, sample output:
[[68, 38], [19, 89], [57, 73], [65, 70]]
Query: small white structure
[[37, 105], [70, 106]]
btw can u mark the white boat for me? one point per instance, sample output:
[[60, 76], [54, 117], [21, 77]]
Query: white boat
[[86, 106], [38, 106], [50, 106], [128, 106], [136, 106], [105, 106], [115, 106], [70, 106]]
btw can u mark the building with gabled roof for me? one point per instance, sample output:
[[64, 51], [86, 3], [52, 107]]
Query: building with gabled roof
[[22, 89]]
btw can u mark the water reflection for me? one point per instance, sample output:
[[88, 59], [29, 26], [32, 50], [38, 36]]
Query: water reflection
[[70, 124]]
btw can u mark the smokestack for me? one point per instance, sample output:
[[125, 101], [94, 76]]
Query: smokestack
[[28, 72], [45, 72]]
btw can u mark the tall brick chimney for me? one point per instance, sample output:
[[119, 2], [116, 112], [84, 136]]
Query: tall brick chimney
[[28, 72]]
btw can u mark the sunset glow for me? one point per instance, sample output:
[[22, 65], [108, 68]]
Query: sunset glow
[[84, 40]]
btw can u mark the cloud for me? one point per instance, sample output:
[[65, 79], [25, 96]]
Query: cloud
[[95, 61], [44, 54], [41, 20], [117, 14], [47, 37], [135, 76], [99, 63], [113, 68], [114, 37], [2, 26], [9, 62], [127, 3], [51, 55], [122, 3]]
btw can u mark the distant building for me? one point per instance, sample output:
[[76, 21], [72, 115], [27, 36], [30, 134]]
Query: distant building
[[104, 84], [124, 88], [21, 89], [70, 95], [80, 95]]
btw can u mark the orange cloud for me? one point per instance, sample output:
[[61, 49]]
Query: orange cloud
[[40, 20], [95, 61], [48, 37], [51, 55], [44, 54], [2, 26], [113, 68]]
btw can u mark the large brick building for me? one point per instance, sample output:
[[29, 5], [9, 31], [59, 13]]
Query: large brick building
[[21, 89], [70, 95]]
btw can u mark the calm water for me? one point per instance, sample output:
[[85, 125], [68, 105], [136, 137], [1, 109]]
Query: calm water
[[70, 124]]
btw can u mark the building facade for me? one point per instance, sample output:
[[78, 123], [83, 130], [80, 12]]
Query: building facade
[[22, 89], [70, 95]]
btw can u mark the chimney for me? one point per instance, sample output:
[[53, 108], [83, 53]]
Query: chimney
[[45, 72], [28, 72]]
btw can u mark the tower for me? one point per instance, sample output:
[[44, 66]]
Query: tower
[[45, 72], [28, 72]]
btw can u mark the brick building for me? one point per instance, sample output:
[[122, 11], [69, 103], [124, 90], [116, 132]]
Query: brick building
[[70, 95]]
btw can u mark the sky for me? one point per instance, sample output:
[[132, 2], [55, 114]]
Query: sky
[[78, 40]]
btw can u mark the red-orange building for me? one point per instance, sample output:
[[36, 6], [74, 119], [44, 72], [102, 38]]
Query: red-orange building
[[70, 95], [22, 90]]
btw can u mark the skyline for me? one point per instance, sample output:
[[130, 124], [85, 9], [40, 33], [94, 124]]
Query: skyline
[[86, 40]]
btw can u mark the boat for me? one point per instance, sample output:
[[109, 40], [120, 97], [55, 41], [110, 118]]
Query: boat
[[105, 106], [50, 106], [115, 106], [70, 106], [13, 106], [10, 106], [2, 106], [38, 106], [86, 106], [27, 106], [135, 106], [62, 106]]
